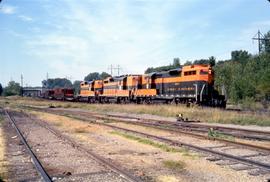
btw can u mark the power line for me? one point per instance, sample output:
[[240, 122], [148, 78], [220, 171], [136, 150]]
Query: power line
[[112, 68], [118, 68], [261, 40], [21, 80]]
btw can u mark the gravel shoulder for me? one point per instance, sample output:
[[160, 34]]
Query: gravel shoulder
[[16, 163], [62, 161], [145, 160], [3, 161]]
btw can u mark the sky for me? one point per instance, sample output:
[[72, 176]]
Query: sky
[[71, 38]]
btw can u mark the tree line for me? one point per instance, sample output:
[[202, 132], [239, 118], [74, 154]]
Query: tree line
[[14, 88], [243, 76]]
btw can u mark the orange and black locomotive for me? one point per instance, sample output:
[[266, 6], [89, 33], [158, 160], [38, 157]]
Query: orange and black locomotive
[[188, 84]]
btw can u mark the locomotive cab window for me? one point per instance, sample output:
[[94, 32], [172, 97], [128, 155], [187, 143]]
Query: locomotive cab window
[[175, 73], [187, 73]]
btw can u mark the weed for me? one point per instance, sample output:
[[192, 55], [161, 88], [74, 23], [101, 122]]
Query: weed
[[80, 130], [58, 124], [67, 106], [1, 118], [211, 115], [174, 165], [163, 147], [215, 134]]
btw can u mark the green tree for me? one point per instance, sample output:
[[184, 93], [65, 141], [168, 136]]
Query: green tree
[[266, 43], [149, 70], [263, 76], [187, 63], [104, 75], [240, 56], [76, 86], [13, 88], [1, 89], [176, 62], [212, 60], [57, 83], [92, 76]]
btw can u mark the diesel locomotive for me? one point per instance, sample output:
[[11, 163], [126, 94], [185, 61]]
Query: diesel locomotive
[[188, 84]]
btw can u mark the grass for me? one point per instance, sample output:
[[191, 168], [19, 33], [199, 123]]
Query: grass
[[80, 130], [161, 146], [211, 115], [1, 118], [167, 179], [215, 134], [174, 165], [2, 154]]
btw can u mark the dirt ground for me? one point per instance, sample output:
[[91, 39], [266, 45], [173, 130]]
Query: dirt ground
[[147, 161], [16, 162], [85, 114], [63, 161], [3, 170]]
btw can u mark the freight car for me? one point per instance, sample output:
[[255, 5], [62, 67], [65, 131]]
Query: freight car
[[48, 94], [63, 94]]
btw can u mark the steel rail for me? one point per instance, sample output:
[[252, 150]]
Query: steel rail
[[163, 127], [197, 125], [95, 156], [183, 124], [178, 130], [35, 160], [194, 147]]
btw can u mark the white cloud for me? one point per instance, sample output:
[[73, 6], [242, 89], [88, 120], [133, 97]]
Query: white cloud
[[25, 18], [90, 36], [7, 9], [113, 34]]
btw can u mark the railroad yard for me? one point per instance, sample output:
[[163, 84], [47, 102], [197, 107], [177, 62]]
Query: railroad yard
[[67, 141], [135, 91]]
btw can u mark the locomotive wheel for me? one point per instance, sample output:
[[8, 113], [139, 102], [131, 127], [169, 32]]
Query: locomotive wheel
[[148, 101]]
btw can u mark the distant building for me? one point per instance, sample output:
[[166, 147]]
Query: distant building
[[32, 91]]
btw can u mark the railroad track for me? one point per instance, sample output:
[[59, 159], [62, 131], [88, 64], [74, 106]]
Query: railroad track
[[157, 125], [200, 127], [185, 126], [250, 163], [41, 170], [261, 167]]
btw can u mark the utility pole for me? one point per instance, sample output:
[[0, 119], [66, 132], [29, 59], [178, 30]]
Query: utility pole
[[118, 69], [22, 80], [111, 69], [260, 38], [47, 76]]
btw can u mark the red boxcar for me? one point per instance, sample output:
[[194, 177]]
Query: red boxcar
[[64, 94]]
